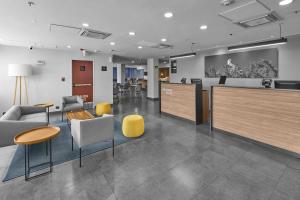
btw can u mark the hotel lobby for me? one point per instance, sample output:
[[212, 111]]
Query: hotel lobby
[[143, 100]]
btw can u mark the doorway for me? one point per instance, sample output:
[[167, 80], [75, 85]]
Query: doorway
[[82, 79], [164, 74]]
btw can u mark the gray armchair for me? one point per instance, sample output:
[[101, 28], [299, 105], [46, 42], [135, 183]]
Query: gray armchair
[[91, 131], [20, 119], [71, 103]]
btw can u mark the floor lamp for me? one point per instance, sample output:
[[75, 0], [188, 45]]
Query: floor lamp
[[20, 71]]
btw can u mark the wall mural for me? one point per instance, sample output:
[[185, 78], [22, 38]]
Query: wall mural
[[252, 64]]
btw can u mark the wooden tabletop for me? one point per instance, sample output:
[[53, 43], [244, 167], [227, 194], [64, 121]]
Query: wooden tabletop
[[37, 135], [80, 115], [45, 105]]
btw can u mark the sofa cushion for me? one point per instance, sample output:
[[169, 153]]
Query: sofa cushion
[[72, 107], [14, 113], [70, 99], [36, 117]]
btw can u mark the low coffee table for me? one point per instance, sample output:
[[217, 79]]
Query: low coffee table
[[79, 115], [35, 136]]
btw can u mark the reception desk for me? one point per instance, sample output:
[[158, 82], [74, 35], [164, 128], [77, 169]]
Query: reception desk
[[270, 116], [186, 101]]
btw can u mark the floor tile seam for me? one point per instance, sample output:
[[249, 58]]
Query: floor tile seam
[[152, 177], [205, 186], [276, 185]]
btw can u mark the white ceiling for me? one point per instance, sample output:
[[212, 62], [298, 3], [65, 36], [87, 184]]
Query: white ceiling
[[22, 25]]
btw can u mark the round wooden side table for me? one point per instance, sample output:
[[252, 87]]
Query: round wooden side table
[[35, 136]]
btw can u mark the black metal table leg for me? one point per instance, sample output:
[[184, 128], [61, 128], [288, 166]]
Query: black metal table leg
[[28, 168], [51, 163], [47, 148], [113, 147], [79, 157], [25, 150], [72, 143]]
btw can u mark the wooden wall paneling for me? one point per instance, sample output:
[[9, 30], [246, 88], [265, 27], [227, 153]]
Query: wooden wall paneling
[[266, 115]]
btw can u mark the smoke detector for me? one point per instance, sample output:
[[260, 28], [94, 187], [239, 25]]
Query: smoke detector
[[226, 2]]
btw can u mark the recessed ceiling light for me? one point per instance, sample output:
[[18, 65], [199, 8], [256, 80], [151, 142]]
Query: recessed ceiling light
[[69, 46], [140, 47], [85, 25], [203, 27], [131, 33], [112, 43], [168, 15], [285, 2], [163, 40]]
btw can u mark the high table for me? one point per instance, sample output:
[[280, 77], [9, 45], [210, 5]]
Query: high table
[[35, 136], [47, 106], [186, 101], [269, 116]]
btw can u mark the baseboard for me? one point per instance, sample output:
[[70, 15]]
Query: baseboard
[[255, 142]]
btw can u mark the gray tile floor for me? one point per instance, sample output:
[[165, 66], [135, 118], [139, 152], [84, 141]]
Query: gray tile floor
[[174, 160]]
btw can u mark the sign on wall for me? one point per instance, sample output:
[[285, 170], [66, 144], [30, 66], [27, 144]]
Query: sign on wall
[[173, 66], [252, 64]]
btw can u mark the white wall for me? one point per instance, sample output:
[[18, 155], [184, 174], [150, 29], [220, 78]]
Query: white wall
[[45, 84], [289, 66]]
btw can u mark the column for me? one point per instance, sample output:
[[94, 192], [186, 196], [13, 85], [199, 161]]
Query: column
[[120, 73], [152, 82]]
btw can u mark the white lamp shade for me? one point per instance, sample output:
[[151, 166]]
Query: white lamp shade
[[19, 70]]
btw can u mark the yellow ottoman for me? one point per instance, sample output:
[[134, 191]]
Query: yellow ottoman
[[103, 108], [133, 126]]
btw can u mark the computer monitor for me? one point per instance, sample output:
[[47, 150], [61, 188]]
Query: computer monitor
[[196, 80], [292, 85], [222, 79]]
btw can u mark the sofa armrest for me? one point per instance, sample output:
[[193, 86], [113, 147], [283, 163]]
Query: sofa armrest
[[80, 100], [9, 129], [76, 131], [25, 110], [96, 130]]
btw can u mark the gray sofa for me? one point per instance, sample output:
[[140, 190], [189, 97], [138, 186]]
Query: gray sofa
[[71, 103], [19, 119]]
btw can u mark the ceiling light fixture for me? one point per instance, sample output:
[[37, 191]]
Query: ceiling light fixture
[[258, 44], [265, 43], [69, 46], [131, 33], [163, 40], [112, 43], [203, 27], [140, 47], [186, 55], [85, 25], [285, 2], [168, 15]]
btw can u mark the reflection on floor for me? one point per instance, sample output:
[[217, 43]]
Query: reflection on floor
[[174, 160]]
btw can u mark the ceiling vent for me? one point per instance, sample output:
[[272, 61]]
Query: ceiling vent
[[163, 46], [73, 31], [268, 18], [250, 14], [90, 33], [155, 45]]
